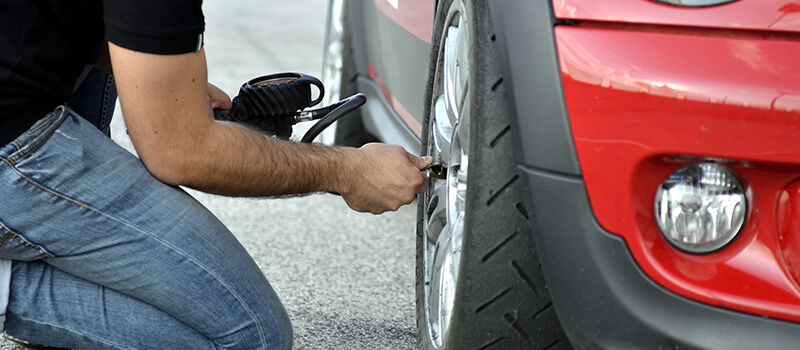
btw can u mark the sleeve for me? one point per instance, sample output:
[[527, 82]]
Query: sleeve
[[155, 26]]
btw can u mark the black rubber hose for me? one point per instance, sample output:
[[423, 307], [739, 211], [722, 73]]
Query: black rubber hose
[[344, 106]]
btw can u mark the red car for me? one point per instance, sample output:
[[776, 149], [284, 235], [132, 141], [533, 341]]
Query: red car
[[614, 174]]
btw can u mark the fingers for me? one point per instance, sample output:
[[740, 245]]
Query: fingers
[[420, 163], [424, 186]]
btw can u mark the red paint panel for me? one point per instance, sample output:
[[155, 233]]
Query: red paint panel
[[761, 15], [404, 114], [415, 16], [789, 228], [644, 103]]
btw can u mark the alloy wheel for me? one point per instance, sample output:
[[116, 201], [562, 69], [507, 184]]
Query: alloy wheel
[[444, 202]]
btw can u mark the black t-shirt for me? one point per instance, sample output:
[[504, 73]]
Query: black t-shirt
[[44, 45]]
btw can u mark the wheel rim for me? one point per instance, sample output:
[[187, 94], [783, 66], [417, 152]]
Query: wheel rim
[[444, 202]]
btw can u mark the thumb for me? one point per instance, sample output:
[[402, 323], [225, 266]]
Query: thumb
[[420, 162]]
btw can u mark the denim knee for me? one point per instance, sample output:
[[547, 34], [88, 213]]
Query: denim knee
[[284, 334], [273, 331], [281, 334]]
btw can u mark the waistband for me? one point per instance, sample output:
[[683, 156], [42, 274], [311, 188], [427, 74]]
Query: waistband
[[35, 136]]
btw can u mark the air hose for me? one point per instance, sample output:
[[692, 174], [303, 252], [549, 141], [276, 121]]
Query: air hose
[[340, 109], [274, 103]]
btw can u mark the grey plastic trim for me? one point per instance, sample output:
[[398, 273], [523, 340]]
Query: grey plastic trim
[[532, 78], [355, 18], [376, 109]]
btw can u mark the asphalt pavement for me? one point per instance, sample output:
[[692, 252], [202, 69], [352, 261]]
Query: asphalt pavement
[[346, 278]]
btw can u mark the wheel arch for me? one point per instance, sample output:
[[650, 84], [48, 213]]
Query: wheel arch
[[529, 63], [354, 19]]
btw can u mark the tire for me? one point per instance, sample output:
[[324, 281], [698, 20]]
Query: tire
[[479, 263], [349, 130]]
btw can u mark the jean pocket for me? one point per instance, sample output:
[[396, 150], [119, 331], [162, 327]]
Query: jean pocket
[[37, 135], [16, 247]]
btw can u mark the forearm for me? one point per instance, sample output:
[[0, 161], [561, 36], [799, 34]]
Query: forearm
[[236, 161]]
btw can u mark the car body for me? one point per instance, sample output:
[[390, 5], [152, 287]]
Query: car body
[[605, 100]]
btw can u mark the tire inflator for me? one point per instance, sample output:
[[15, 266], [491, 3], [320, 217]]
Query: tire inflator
[[274, 103]]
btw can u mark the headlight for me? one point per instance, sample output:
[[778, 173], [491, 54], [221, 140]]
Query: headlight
[[695, 3], [700, 208]]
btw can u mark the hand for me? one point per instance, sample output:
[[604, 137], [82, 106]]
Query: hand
[[218, 99], [385, 177]]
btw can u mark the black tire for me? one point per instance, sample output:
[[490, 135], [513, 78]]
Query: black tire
[[350, 129], [501, 301]]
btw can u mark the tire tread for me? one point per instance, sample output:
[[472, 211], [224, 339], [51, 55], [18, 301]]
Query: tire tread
[[502, 300]]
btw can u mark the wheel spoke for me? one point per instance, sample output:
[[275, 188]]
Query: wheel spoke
[[437, 213], [447, 256], [451, 88], [442, 131]]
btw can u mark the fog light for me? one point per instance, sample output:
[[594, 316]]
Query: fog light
[[700, 208]]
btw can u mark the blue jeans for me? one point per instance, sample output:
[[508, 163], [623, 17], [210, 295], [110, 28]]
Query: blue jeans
[[106, 256]]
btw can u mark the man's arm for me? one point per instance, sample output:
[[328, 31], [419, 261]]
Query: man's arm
[[168, 114]]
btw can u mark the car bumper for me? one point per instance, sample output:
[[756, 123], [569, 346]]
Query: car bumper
[[603, 298]]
